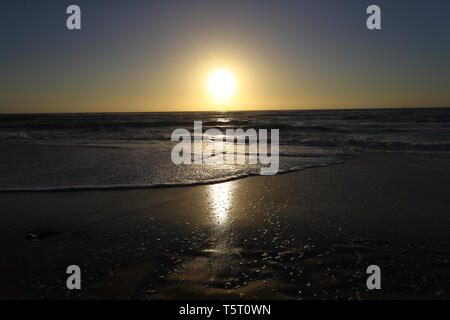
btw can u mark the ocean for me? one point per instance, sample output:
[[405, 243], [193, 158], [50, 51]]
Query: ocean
[[42, 152]]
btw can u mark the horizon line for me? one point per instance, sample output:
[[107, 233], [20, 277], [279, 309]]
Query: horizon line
[[230, 111]]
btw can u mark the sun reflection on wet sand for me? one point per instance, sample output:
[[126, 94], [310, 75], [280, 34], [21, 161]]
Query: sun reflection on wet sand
[[218, 266], [221, 199]]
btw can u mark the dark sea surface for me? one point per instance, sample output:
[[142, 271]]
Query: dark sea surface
[[127, 150]]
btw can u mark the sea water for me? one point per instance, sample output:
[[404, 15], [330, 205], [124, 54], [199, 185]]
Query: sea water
[[132, 150]]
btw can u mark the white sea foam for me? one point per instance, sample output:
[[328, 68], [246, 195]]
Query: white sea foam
[[116, 151]]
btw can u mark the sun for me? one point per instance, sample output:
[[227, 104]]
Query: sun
[[222, 85]]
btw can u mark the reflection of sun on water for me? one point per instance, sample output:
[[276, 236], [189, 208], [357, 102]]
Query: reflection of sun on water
[[221, 201]]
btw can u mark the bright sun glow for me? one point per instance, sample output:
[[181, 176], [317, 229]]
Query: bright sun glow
[[221, 84]]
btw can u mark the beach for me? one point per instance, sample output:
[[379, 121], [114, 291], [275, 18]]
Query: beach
[[309, 234], [215, 158]]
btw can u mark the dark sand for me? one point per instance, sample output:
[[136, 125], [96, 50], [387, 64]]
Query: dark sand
[[308, 235]]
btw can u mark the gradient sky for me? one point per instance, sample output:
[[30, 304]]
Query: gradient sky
[[141, 55]]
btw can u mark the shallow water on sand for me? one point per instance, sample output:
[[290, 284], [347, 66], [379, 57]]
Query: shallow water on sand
[[305, 235]]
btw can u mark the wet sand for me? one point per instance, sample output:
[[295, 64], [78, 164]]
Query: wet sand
[[302, 235]]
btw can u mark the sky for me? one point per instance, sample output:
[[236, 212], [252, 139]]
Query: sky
[[141, 55]]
